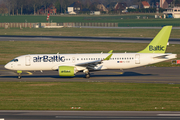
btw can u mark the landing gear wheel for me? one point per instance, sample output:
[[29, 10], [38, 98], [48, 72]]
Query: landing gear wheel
[[19, 76], [87, 75]]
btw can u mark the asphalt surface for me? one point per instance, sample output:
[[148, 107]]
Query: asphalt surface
[[167, 75], [74, 38], [88, 115]]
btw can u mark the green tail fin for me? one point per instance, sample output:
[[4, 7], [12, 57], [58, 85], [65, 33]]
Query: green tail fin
[[159, 43]]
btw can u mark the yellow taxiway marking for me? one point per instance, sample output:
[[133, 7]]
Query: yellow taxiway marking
[[119, 73], [29, 73]]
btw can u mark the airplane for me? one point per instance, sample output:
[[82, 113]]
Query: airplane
[[69, 64]]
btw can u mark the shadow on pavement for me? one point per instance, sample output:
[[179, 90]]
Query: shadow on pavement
[[93, 75]]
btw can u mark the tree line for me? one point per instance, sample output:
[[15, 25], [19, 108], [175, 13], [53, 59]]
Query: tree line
[[31, 6]]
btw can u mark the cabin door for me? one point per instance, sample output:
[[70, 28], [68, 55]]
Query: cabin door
[[137, 59], [27, 60]]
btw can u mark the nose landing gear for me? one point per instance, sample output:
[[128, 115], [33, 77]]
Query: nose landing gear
[[19, 74]]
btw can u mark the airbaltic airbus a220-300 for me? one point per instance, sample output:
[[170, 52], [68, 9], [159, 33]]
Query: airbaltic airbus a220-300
[[70, 64]]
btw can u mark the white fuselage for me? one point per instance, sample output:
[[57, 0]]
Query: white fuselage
[[37, 62]]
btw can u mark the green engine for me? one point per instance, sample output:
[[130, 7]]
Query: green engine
[[66, 71]]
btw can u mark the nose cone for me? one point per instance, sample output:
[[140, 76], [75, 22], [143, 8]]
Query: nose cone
[[7, 66]]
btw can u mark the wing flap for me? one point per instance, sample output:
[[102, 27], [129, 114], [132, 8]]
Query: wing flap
[[92, 63]]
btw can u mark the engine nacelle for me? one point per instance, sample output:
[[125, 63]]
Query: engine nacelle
[[67, 71]]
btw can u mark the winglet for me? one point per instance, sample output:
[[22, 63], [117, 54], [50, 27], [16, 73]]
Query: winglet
[[110, 51], [109, 56], [159, 43]]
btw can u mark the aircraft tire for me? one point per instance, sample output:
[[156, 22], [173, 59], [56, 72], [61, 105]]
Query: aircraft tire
[[87, 75]]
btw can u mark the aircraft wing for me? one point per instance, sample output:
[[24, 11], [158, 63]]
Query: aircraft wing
[[89, 65], [92, 64]]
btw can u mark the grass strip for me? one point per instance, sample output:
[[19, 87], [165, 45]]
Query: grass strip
[[86, 32], [89, 96]]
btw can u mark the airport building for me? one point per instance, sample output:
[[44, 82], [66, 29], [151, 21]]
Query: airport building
[[172, 12]]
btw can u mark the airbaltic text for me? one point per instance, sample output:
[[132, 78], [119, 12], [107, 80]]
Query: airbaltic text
[[46, 58], [156, 48]]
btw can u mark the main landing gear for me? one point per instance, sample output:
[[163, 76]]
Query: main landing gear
[[87, 74]]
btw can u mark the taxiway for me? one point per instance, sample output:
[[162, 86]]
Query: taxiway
[[168, 75], [88, 115], [75, 38]]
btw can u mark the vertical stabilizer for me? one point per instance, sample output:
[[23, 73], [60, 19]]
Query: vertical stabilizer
[[159, 43]]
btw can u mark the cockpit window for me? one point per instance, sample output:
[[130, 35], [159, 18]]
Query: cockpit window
[[14, 60]]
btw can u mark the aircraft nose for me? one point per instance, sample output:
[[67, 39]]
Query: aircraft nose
[[7, 66]]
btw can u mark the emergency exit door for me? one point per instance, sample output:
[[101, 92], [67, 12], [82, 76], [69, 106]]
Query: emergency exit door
[[73, 59]]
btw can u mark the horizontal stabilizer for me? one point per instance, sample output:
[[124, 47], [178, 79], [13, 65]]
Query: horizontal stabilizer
[[161, 56]]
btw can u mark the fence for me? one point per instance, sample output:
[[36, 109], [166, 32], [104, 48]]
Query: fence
[[13, 25], [88, 24], [98, 24], [25, 25]]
